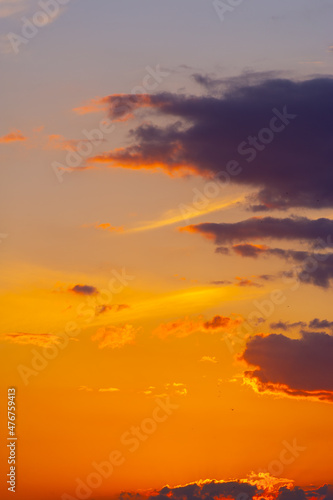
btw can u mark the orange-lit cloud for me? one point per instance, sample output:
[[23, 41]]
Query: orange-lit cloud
[[40, 339], [115, 336], [246, 282], [122, 158], [185, 327], [120, 107], [300, 368], [254, 487], [104, 308], [209, 359], [109, 389], [168, 389], [57, 141], [13, 136], [107, 227]]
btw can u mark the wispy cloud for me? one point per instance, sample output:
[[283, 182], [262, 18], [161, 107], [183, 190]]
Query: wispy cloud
[[115, 336]]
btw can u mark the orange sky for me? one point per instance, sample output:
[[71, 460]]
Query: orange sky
[[148, 323]]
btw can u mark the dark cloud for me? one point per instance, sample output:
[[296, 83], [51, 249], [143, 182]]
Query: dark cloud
[[294, 494], [217, 322], [286, 325], [267, 277], [317, 232], [111, 307], [84, 289], [295, 367], [317, 323], [246, 282], [237, 490], [309, 267], [273, 135], [221, 282], [248, 250]]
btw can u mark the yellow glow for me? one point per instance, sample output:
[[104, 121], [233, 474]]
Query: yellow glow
[[191, 213]]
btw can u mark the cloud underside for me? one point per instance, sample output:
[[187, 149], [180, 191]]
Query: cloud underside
[[312, 266], [291, 367], [262, 484], [278, 131], [39, 339]]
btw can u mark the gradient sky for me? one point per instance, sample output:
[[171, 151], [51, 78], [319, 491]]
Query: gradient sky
[[134, 275]]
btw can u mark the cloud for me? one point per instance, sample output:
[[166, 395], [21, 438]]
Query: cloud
[[107, 227], [120, 107], [84, 289], [309, 267], [272, 134], [209, 359], [185, 327], [40, 339], [219, 322], [261, 485], [263, 228], [13, 136], [246, 282], [168, 389], [111, 307], [291, 367], [317, 323], [249, 250], [221, 282], [115, 336], [109, 389], [286, 325]]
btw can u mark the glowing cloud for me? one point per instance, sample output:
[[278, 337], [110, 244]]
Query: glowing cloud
[[13, 136]]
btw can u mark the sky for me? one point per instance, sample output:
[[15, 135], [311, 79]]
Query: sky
[[165, 239]]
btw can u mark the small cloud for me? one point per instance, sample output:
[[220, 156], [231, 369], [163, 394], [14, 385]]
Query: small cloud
[[84, 289], [40, 339], [209, 359], [246, 282], [85, 388], [169, 389], [115, 336], [13, 136], [221, 282], [104, 308], [183, 327], [107, 227], [109, 389], [286, 325]]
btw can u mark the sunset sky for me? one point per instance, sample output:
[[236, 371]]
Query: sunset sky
[[166, 240]]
